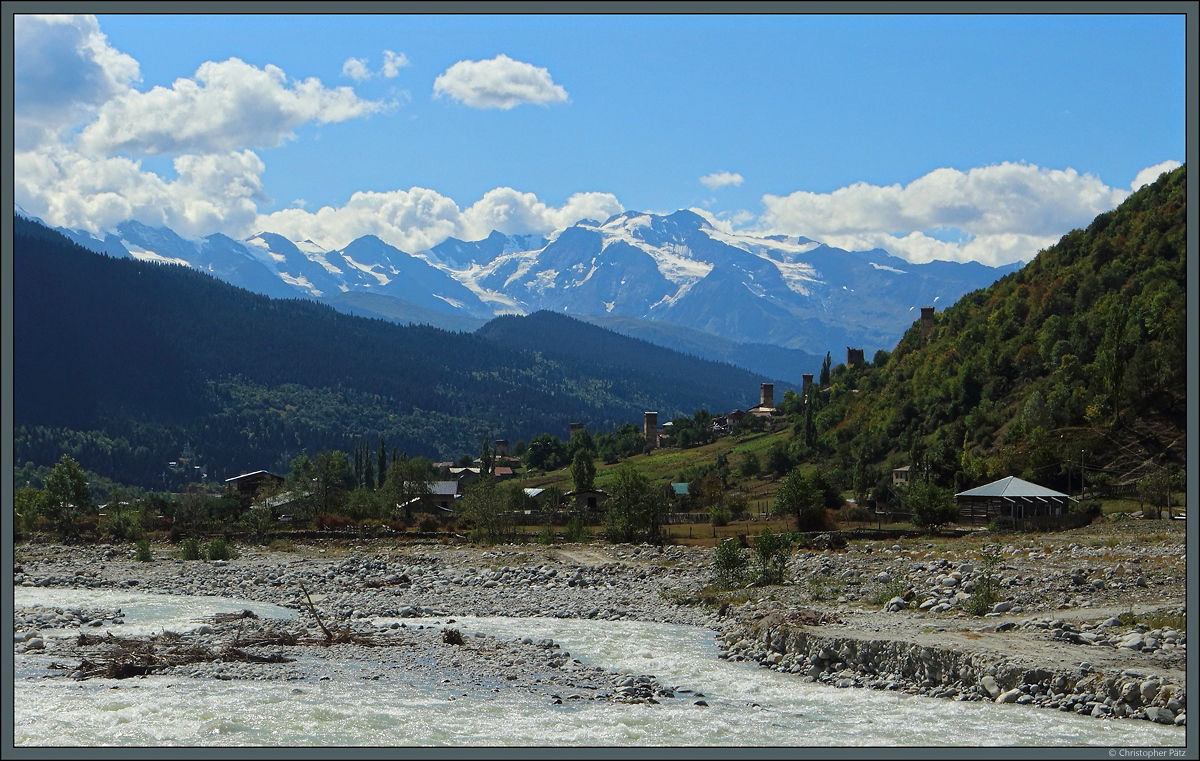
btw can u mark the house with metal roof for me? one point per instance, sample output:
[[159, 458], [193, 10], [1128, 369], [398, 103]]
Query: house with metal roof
[[247, 485], [438, 498], [586, 499], [1012, 498]]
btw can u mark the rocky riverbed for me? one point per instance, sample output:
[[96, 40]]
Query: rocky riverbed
[[1089, 621]]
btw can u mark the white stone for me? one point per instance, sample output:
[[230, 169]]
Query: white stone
[[989, 683]]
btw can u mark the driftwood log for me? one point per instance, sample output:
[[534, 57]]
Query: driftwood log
[[114, 657]]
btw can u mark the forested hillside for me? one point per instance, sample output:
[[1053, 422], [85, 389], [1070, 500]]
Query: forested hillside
[[632, 363], [126, 365], [1078, 357]]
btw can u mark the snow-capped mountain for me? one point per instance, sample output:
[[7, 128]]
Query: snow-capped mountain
[[678, 269], [788, 291]]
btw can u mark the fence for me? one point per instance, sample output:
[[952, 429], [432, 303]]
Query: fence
[[677, 518]]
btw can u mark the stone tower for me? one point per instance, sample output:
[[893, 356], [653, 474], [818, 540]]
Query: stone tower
[[926, 321], [854, 357], [650, 428], [766, 395], [575, 429], [807, 381]]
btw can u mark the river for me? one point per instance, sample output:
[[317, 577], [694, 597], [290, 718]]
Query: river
[[747, 705]]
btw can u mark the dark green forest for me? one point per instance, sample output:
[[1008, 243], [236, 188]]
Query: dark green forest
[[126, 366], [1075, 363]]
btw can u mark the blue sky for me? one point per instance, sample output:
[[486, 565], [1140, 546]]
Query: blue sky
[[960, 137]]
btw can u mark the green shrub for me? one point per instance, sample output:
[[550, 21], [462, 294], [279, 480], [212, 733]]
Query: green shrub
[[930, 506], [190, 549], [1161, 620], [1156, 620], [1002, 524], [121, 526], [219, 549], [576, 532], [428, 524], [821, 588], [890, 589], [771, 551], [257, 523], [986, 593], [143, 553], [858, 513], [719, 516], [729, 564]]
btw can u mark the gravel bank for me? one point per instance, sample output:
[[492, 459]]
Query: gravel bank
[[1066, 635]]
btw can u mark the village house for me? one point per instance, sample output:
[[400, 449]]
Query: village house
[[545, 498], [246, 486], [442, 494], [680, 496], [465, 476], [439, 499], [586, 499], [1010, 498]]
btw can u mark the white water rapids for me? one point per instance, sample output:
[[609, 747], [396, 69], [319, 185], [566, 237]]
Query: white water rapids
[[748, 706]]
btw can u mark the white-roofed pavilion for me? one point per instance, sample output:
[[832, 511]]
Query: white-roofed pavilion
[[1012, 498]]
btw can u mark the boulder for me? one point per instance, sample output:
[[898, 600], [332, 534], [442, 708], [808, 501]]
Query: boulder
[[1149, 690], [1131, 694], [1133, 641], [1160, 715]]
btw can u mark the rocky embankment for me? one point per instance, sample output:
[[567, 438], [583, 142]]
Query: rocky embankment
[[1095, 627], [929, 665], [1089, 621]]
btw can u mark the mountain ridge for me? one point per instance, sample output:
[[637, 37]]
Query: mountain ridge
[[677, 269], [126, 363]]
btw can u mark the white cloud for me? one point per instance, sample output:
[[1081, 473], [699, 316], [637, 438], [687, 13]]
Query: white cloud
[[228, 106], [1006, 211], [208, 121], [917, 247], [499, 82], [742, 217], [411, 220], [1152, 173], [718, 222], [418, 218], [721, 179], [512, 212], [356, 69], [63, 70], [211, 193], [392, 63]]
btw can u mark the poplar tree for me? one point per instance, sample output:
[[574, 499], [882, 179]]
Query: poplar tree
[[67, 496]]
